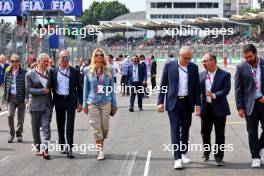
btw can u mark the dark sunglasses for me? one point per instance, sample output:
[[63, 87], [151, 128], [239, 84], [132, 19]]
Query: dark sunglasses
[[66, 58], [14, 61], [97, 55]]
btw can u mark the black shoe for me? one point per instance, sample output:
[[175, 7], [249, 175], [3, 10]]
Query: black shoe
[[131, 109], [0, 109], [19, 139], [205, 158], [70, 155], [219, 162], [63, 152], [10, 139], [140, 109]]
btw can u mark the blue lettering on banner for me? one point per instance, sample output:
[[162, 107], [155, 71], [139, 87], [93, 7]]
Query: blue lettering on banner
[[6, 7], [65, 5], [28, 5]]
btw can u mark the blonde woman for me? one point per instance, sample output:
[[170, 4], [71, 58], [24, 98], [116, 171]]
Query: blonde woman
[[99, 99]]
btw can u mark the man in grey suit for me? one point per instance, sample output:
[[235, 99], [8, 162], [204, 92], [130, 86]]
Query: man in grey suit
[[38, 85], [249, 90]]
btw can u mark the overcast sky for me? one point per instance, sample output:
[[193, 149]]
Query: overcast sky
[[132, 5]]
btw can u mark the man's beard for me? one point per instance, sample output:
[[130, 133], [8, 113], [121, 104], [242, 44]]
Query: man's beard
[[253, 62]]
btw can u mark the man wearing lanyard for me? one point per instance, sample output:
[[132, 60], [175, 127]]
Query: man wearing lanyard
[[215, 85], [67, 96], [15, 96], [249, 89], [137, 77], [180, 85]]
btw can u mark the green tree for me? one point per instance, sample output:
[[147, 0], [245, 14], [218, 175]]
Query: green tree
[[249, 10], [103, 11], [261, 4]]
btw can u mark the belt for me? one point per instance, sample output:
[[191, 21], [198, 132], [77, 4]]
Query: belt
[[13, 95], [63, 96], [182, 97]]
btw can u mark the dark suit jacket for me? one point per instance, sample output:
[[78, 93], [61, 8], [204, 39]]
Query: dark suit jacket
[[75, 88], [245, 87], [142, 73], [221, 87], [170, 80]]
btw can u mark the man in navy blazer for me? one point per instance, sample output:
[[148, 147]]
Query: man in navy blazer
[[137, 78], [67, 97], [215, 86], [180, 85]]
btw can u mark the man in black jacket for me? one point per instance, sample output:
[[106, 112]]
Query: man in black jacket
[[153, 72], [215, 86], [67, 97]]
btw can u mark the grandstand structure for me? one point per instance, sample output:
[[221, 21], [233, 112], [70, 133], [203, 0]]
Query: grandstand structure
[[129, 35]]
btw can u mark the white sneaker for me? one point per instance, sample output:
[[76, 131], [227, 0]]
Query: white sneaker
[[178, 164], [185, 159], [256, 163], [100, 156]]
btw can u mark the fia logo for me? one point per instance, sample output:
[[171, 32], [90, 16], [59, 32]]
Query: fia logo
[[6, 6], [28, 5], [65, 5]]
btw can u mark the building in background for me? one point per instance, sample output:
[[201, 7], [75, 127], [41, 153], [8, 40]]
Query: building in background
[[244, 4], [190, 9]]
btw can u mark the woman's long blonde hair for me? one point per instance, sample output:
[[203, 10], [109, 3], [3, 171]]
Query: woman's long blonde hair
[[106, 66]]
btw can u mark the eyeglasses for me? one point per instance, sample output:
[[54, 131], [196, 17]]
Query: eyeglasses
[[97, 55], [66, 58], [14, 61]]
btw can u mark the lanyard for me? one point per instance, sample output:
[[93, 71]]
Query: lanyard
[[42, 75], [183, 69], [65, 74]]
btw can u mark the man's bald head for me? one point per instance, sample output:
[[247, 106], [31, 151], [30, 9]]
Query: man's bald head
[[185, 50], [185, 55]]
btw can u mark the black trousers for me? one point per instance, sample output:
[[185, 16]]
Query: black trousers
[[65, 113], [208, 120], [124, 83], [180, 123], [257, 116], [153, 81], [136, 89]]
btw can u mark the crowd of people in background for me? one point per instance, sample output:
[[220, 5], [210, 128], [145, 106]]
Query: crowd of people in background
[[169, 41]]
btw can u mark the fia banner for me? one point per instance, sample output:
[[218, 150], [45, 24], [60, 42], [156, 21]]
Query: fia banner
[[9, 7]]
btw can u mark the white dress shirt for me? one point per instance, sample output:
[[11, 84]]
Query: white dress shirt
[[208, 84], [13, 89], [183, 80], [42, 79], [135, 73], [63, 82]]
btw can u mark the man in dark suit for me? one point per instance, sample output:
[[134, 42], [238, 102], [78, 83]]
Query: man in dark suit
[[137, 78], [249, 90], [67, 96], [180, 84], [215, 86], [153, 72], [142, 60], [3, 66]]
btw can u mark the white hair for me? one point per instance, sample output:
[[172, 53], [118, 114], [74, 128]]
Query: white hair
[[42, 56]]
